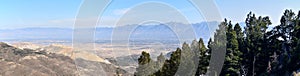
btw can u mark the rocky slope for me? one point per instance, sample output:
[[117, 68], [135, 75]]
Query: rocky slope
[[28, 62]]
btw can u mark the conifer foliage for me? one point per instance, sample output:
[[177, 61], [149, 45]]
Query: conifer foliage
[[253, 49]]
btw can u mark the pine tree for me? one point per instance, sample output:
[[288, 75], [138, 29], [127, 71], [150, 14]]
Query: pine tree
[[287, 31], [284, 40], [146, 65], [159, 65], [232, 59], [171, 65], [187, 64], [256, 57], [203, 58], [254, 51], [296, 44], [160, 60], [195, 47], [217, 50], [242, 49]]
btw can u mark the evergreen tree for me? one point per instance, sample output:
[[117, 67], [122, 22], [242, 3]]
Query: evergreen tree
[[171, 65], [256, 57], [160, 60], [292, 21], [287, 43], [232, 59], [252, 51], [203, 58], [282, 42], [187, 64], [242, 49], [217, 50], [195, 47], [159, 65], [295, 57], [146, 65]]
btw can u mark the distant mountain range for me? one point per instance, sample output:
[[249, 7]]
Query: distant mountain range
[[149, 32]]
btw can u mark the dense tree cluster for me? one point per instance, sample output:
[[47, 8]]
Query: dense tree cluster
[[253, 50]]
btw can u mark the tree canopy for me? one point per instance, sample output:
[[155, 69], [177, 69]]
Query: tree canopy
[[253, 49]]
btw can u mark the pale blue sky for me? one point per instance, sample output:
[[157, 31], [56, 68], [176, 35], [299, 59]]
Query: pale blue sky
[[62, 13]]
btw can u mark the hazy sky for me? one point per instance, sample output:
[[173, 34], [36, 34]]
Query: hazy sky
[[62, 13]]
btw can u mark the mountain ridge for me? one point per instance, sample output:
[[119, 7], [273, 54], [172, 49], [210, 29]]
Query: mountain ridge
[[159, 31], [17, 62]]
